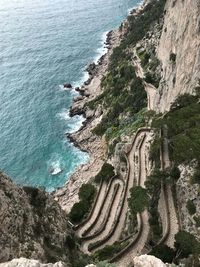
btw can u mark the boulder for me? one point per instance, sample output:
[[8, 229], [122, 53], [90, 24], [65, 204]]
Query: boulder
[[67, 85]]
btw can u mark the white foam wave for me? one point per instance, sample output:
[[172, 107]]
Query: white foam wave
[[75, 123], [55, 168], [64, 114], [103, 49]]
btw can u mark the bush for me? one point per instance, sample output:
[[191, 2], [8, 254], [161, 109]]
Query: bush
[[80, 209], [191, 207], [186, 243], [172, 57], [87, 192], [163, 252], [175, 173], [196, 177], [138, 200], [105, 174], [108, 251]]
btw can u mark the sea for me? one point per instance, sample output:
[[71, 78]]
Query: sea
[[44, 44]]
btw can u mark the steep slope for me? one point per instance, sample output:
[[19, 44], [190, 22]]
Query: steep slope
[[32, 224], [179, 52]]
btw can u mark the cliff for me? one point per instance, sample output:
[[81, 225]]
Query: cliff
[[179, 52], [32, 224]]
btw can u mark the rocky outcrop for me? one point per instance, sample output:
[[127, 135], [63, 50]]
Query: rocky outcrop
[[179, 51], [22, 262], [32, 224], [147, 261], [187, 191]]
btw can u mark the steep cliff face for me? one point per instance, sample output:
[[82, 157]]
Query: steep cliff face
[[32, 224], [179, 51]]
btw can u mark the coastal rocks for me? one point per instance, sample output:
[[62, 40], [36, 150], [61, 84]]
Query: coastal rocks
[[31, 224], [22, 262], [67, 85], [147, 261], [84, 139]]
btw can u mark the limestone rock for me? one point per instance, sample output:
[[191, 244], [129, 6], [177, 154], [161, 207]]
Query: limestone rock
[[32, 224], [22, 262], [181, 37], [147, 261]]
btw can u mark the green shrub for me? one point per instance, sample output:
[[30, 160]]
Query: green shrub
[[186, 243], [79, 210], [109, 251], [163, 252], [197, 220], [105, 174], [191, 207], [196, 177], [138, 200], [175, 173], [87, 192], [172, 57]]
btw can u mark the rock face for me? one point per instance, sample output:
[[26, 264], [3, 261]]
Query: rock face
[[186, 191], [22, 262], [179, 51], [32, 224], [147, 261]]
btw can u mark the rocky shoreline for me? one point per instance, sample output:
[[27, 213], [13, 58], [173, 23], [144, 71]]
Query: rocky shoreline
[[84, 139]]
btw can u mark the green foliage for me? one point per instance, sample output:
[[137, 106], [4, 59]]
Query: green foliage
[[155, 150], [153, 185], [197, 220], [105, 174], [191, 207], [175, 173], [172, 57], [196, 176], [186, 243], [138, 200], [183, 123], [105, 264], [163, 252], [87, 192], [109, 251], [79, 210]]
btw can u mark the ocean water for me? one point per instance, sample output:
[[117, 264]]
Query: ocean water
[[43, 44]]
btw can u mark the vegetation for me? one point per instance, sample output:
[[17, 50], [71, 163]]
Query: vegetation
[[109, 251], [163, 252], [138, 200], [79, 210], [197, 220], [153, 185], [191, 207], [105, 174], [186, 244], [196, 176], [172, 57], [183, 123]]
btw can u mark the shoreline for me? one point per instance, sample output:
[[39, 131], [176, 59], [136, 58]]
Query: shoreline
[[84, 139]]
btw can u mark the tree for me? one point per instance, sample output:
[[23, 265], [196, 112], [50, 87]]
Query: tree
[[139, 199], [105, 174], [87, 192], [163, 252], [186, 243], [191, 207]]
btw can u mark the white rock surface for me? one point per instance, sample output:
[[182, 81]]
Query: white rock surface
[[147, 261], [22, 262], [180, 36]]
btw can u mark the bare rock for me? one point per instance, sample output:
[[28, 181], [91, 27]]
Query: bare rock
[[147, 261]]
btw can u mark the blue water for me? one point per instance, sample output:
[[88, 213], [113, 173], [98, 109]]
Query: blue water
[[44, 43]]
